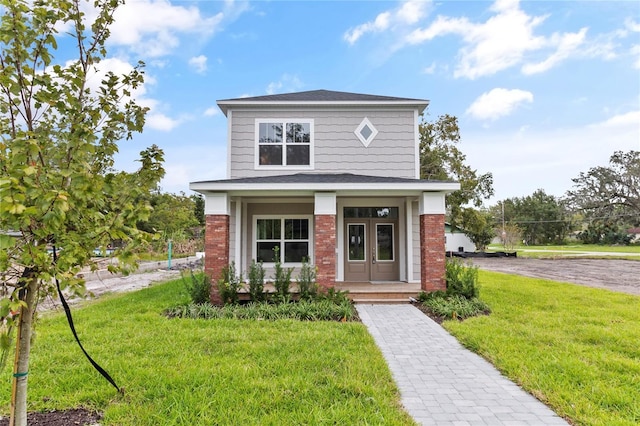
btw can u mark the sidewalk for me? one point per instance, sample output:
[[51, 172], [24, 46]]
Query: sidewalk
[[442, 383]]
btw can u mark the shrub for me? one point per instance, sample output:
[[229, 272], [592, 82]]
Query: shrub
[[462, 280], [198, 286], [281, 279], [456, 306], [324, 310], [334, 296], [256, 281], [307, 286], [229, 284]]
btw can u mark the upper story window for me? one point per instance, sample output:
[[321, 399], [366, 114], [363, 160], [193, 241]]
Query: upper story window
[[284, 143]]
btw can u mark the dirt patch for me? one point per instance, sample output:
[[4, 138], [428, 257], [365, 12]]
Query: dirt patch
[[615, 275], [79, 416]]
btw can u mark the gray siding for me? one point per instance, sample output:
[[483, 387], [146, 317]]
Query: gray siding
[[336, 147]]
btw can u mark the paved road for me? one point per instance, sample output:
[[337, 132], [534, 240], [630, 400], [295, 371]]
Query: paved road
[[442, 383]]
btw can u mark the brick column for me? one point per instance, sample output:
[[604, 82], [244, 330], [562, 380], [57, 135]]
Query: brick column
[[432, 252], [216, 248], [324, 243]]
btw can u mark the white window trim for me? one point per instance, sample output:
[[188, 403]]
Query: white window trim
[[284, 122], [254, 238]]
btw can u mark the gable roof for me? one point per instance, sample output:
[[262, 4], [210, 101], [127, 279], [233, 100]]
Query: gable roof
[[321, 97]]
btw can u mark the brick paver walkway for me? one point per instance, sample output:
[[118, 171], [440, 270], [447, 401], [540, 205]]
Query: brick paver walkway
[[441, 382]]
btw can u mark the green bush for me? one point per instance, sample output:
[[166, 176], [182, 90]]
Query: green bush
[[307, 286], [281, 279], [198, 286], [229, 284], [256, 281], [323, 310], [462, 280], [456, 306], [334, 296]]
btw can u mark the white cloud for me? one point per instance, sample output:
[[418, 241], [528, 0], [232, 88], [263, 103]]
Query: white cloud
[[507, 39], [408, 13], [498, 103], [499, 43], [567, 44], [632, 25], [153, 27], [159, 121], [528, 159], [198, 63], [430, 69], [287, 83], [635, 51], [211, 111], [631, 118]]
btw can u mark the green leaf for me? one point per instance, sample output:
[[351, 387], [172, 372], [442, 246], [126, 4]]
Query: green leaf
[[7, 241]]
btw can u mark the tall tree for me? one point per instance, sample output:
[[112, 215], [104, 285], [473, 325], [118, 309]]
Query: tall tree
[[171, 213], [440, 159], [542, 218], [610, 194], [58, 140]]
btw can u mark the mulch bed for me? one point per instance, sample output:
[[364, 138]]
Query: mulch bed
[[428, 312], [73, 417]]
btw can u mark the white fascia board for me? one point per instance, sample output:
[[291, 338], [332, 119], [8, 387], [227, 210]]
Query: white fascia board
[[210, 187], [228, 105]]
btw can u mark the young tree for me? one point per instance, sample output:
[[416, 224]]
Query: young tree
[[440, 159], [58, 140], [478, 227]]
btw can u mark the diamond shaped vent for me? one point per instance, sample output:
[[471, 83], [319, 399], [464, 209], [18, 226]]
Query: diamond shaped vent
[[366, 132]]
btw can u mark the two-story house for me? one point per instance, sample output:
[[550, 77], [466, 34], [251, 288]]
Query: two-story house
[[332, 177]]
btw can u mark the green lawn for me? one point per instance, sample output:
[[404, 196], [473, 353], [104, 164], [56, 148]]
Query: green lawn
[[188, 372], [582, 250], [575, 348]]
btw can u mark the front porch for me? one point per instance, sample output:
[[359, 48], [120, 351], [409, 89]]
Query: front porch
[[364, 292]]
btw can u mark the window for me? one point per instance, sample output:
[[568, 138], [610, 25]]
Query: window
[[289, 235], [366, 132], [284, 143]]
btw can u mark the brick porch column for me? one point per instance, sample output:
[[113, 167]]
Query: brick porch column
[[324, 240], [325, 250], [432, 244], [432, 252], [216, 240]]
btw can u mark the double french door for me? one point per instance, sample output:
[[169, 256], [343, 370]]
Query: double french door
[[371, 249]]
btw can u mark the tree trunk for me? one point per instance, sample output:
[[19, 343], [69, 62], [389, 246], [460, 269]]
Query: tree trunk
[[23, 348]]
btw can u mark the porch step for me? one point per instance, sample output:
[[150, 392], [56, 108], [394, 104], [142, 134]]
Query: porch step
[[382, 298], [385, 293]]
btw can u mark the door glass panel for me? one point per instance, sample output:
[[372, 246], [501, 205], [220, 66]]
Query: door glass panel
[[384, 241], [356, 242]]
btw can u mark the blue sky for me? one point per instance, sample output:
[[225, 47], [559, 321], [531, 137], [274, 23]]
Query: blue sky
[[543, 90]]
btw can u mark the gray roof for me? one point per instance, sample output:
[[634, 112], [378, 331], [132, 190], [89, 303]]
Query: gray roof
[[317, 178], [322, 96]]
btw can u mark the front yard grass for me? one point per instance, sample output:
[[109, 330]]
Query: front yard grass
[[575, 348], [205, 372], [592, 251]]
